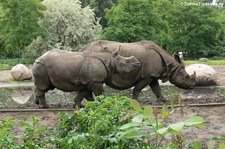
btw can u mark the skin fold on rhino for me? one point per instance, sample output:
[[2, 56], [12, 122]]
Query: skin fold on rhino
[[84, 72], [156, 64]]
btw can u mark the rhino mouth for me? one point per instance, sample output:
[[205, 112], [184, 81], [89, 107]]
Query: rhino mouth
[[137, 64], [186, 87]]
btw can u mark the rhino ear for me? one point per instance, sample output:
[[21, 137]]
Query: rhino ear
[[117, 51], [177, 58], [106, 49]]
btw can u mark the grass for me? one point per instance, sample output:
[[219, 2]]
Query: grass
[[4, 66], [209, 62], [9, 63]]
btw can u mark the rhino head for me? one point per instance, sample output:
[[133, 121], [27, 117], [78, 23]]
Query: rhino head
[[180, 77], [124, 64]]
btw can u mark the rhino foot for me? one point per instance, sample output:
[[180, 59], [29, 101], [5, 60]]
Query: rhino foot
[[161, 100], [36, 101], [43, 106], [78, 106]]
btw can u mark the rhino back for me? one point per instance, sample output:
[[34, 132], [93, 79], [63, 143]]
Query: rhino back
[[151, 61]]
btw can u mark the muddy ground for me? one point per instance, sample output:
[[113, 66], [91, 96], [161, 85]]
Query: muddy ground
[[214, 116]]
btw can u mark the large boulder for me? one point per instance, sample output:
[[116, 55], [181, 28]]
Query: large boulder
[[20, 72], [205, 75]]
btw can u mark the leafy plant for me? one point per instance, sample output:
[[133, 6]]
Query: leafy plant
[[107, 123], [34, 135], [212, 142], [94, 126], [146, 125], [7, 139], [120, 122]]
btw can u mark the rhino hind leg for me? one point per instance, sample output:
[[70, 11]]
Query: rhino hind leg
[[40, 99], [139, 86], [42, 84], [154, 85]]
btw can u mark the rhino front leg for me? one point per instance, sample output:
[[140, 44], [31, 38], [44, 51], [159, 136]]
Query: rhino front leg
[[96, 88], [157, 90], [40, 99], [139, 86], [89, 96], [80, 96]]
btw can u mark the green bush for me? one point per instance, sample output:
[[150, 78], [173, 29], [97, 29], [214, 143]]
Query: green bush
[[107, 123], [120, 122], [9, 63], [7, 139], [94, 126]]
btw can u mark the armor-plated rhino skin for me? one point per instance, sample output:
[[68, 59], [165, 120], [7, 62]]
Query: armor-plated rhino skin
[[156, 64], [84, 72]]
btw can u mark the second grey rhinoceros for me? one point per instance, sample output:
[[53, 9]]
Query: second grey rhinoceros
[[156, 64], [84, 72]]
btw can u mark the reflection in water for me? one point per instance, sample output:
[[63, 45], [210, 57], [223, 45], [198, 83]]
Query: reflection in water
[[21, 96]]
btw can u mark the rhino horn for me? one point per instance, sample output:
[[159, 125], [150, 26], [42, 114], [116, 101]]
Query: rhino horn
[[193, 76]]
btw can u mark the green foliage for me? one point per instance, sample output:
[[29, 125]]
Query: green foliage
[[34, 135], [95, 126], [221, 139], [146, 125], [107, 123], [68, 25], [209, 62], [119, 122], [9, 63], [196, 30], [7, 139], [18, 25], [133, 20], [99, 7]]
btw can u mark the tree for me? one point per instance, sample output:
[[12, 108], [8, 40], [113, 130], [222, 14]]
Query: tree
[[195, 30], [19, 24], [69, 26], [99, 7], [134, 20]]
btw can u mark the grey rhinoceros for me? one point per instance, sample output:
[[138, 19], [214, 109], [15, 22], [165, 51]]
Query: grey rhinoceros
[[84, 72], [156, 64]]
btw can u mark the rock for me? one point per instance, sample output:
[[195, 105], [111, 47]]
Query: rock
[[203, 59], [205, 75], [20, 72]]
